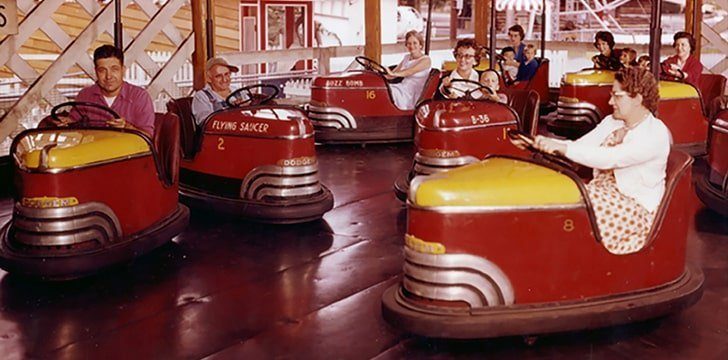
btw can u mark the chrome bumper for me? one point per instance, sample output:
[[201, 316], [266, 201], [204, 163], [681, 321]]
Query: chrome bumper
[[274, 181], [426, 165], [578, 112], [328, 117], [456, 277], [58, 230]]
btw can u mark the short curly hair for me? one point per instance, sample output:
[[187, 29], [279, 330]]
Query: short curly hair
[[417, 35], [468, 43], [637, 80], [684, 35]]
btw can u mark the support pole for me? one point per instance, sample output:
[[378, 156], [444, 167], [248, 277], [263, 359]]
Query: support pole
[[428, 31], [210, 28], [694, 22], [480, 20], [543, 30], [118, 26], [373, 30], [491, 55], [655, 37], [198, 56], [453, 20]]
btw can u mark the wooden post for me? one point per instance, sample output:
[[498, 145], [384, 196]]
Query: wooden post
[[694, 21], [373, 30], [210, 28], [453, 20], [481, 17], [199, 54]]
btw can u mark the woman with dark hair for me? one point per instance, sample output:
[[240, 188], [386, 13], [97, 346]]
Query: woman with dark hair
[[414, 69], [682, 66], [467, 56], [607, 57], [628, 151]]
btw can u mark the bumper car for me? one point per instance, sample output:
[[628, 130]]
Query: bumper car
[[712, 187], [254, 160], [509, 246], [453, 133], [76, 210], [584, 102], [357, 106]]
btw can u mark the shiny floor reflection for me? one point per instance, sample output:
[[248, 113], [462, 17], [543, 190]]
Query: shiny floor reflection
[[233, 289]]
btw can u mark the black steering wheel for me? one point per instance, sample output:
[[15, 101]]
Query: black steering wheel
[[371, 65], [528, 141], [252, 98], [83, 109], [467, 94]]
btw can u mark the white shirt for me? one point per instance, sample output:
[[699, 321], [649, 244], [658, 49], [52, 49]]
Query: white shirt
[[110, 100], [639, 162], [474, 76]]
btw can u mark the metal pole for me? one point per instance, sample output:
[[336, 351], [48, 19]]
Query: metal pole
[[655, 37], [118, 37], [492, 35], [210, 30], [543, 30], [428, 31]]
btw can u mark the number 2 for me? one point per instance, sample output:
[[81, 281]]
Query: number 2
[[220, 142]]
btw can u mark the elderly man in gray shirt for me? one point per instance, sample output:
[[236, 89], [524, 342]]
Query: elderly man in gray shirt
[[212, 97]]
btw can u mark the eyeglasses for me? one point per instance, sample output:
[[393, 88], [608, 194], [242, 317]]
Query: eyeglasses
[[466, 56], [618, 93]]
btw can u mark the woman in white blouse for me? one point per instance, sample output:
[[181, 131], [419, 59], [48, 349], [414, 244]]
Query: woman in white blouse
[[414, 69], [628, 151]]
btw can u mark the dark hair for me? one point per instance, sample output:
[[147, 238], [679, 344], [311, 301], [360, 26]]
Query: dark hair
[[605, 36], [108, 51], [684, 35], [637, 80], [507, 49], [468, 43], [518, 29]]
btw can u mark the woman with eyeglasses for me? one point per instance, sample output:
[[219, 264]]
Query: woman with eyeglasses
[[683, 66], [467, 56], [628, 151], [414, 69]]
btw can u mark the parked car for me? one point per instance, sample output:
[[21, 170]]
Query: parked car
[[408, 18]]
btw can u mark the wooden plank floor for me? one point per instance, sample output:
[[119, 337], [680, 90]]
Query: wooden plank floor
[[229, 289]]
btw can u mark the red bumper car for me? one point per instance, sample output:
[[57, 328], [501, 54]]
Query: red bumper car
[[584, 102], [252, 161], [357, 106], [509, 246], [712, 187], [88, 198], [453, 133]]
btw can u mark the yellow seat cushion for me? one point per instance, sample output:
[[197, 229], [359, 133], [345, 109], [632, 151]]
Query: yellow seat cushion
[[79, 147], [498, 182]]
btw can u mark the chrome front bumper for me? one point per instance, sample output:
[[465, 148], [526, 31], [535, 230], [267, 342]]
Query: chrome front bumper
[[276, 182], [329, 117], [583, 112], [456, 277], [426, 165]]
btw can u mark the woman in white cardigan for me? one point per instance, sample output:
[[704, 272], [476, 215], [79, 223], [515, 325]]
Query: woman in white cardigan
[[628, 151]]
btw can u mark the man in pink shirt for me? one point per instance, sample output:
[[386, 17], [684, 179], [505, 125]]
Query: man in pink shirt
[[132, 103]]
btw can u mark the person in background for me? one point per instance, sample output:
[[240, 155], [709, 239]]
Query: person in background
[[491, 79], [414, 69], [515, 36], [644, 61], [467, 57], [528, 69], [683, 66], [132, 103], [628, 151], [212, 97], [607, 58], [510, 71], [628, 57]]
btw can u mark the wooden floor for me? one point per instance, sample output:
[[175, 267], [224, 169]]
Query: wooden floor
[[229, 289]]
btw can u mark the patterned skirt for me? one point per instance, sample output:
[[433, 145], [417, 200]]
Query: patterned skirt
[[623, 223]]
